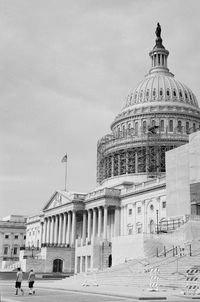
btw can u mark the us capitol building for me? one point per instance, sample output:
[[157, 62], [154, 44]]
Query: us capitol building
[[119, 219]]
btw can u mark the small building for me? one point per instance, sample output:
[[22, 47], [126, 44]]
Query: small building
[[12, 238]]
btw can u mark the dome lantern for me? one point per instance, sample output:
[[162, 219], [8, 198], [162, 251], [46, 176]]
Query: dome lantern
[[159, 54]]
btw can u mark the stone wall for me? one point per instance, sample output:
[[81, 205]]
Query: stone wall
[[65, 254], [38, 265]]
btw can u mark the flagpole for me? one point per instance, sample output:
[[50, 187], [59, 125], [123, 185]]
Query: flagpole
[[64, 160], [66, 175]]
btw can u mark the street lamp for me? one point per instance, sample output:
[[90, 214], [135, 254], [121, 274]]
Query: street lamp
[[32, 248], [157, 231]]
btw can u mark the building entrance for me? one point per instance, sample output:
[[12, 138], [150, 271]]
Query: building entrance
[[110, 261], [57, 266]]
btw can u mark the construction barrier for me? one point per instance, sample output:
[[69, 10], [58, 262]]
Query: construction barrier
[[192, 282], [154, 279]]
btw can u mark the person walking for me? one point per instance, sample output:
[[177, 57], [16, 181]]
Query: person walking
[[18, 282], [31, 280]]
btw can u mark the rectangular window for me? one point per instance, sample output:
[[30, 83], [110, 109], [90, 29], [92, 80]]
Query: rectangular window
[[139, 210], [162, 125], [130, 231], [170, 126], [6, 236], [5, 250], [139, 230], [130, 212], [15, 251], [164, 204], [16, 236]]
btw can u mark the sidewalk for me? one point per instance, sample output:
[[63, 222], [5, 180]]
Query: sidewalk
[[116, 291]]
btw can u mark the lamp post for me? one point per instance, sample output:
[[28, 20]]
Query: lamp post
[[32, 248], [157, 231], [11, 252]]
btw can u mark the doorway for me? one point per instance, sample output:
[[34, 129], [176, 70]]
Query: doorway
[[57, 266], [110, 260]]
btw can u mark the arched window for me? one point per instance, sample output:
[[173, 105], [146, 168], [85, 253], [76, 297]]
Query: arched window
[[135, 96], [167, 92], [118, 131], [154, 92], [129, 128], [171, 128], [162, 125], [174, 92], [144, 126], [179, 126], [180, 93], [186, 96], [161, 92], [123, 130], [194, 127], [187, 128], [141, 94]]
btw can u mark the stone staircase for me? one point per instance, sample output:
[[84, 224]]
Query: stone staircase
[[136, 273]]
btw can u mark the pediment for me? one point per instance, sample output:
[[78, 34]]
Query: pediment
[[58, 199]]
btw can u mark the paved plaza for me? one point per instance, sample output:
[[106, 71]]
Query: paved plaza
[[47, 294], [49, 291]]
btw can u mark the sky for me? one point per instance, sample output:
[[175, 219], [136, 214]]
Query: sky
[[66, 67]]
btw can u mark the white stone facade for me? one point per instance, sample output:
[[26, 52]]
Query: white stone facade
[[12, 238], [114, 222]]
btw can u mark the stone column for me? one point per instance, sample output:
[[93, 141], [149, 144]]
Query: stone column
[[94, 223], [125, 220], [56, 230], [73, 239], [144, 228], [112, 166], [68, 227], [119, 164], [84, 228], [52, 230], [136, 162], [89, 225], [105, 220], [122, 221], [116, 221], [99, 221], [48, 230], [64, 228], [44, 232], [60, 230]]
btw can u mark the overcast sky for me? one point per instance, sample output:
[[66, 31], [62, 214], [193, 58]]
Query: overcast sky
[[65, 70]]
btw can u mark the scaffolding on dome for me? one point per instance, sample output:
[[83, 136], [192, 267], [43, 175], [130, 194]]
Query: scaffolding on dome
[[134, 152]]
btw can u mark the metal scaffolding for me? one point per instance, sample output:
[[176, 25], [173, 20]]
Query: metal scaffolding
[[131, 152]]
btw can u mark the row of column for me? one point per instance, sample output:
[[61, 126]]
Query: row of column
[[95, 222], [59, 229]]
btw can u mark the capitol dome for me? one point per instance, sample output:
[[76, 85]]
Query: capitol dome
[[161, 87], [157, 116]]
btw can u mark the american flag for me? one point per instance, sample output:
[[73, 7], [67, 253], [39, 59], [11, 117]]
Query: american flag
[[64, 159]]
